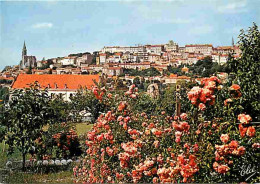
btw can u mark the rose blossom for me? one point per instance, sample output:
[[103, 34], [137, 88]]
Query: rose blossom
[[250, 131], [183, 116], [244, 119], [202, 106], [224, 138]]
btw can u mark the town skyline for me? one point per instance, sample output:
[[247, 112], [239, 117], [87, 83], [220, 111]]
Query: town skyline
[[53, 33]]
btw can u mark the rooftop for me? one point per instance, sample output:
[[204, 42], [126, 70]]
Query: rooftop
[[73, 82]]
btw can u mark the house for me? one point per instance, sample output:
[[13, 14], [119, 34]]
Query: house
[[154, 49], [102, 58], [220, 58], [84, 59], [112, 71], [62, 85], [174, 78], [117, 57], [225, 50], [68, 61], [171, 47], [205, 49]]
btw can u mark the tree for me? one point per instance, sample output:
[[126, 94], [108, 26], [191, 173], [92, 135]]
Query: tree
[[60, 108], [85, 101], [24, 116], [4, 94], [244, 71], [151, 72], [136, 81]]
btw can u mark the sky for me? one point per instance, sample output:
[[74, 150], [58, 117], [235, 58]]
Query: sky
[[55, 29]]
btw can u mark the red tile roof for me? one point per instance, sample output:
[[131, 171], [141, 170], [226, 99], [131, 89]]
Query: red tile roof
[[72, 81]]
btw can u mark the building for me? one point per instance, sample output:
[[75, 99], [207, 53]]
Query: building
[[225, 49], [27, 61], [220, 58], [102, 58], [62, 85], [205, 49], [154, 49], [68, 61], [123, 49], [174, 78], [171, 47], [112, 71], [84, 59]]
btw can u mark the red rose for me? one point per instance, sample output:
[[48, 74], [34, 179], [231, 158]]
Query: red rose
[[250, 131], [224, 138], [202, 106]]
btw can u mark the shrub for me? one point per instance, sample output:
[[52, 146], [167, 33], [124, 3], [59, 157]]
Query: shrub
[[59, 141], [126, 145]]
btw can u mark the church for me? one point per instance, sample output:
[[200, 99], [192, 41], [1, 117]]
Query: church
[[27, 61]]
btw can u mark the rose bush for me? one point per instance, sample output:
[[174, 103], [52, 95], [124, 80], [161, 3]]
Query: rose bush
[[128, 145], [59, 141]]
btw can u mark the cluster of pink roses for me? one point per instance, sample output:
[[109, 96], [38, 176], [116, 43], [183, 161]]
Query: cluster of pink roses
[[222, 151], [132, 92], [181, 127], [201, 96], [98, 92], [244, 120]]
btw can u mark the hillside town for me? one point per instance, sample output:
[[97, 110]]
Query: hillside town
[[112, 61]]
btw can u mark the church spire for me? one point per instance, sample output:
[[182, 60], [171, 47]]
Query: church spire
[[233, 44], [24, 52]]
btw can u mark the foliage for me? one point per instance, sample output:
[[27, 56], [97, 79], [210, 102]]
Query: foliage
[[79, 54], [174, 70], [83, 102], [5, 81], [206, 67], [245, 70], [61, 109], [167, 100], [59, 141], [24, 116], [143, 73], [4, 94]]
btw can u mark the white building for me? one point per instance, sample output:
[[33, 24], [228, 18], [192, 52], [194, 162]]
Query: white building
[[58, 85], [68, 61], [205, 49]]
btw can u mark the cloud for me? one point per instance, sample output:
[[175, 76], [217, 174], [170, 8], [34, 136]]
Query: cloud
[[235, 7], [42, 25], [198, 30]]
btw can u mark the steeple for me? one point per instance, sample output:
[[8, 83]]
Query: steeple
[[24, 52], [233, 41]]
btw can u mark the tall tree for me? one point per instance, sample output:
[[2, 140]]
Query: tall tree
[[24, 116], [245, 70]]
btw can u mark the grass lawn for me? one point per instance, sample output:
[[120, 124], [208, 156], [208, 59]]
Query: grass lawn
[[83, 128], [60, 177], [4, 157]]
